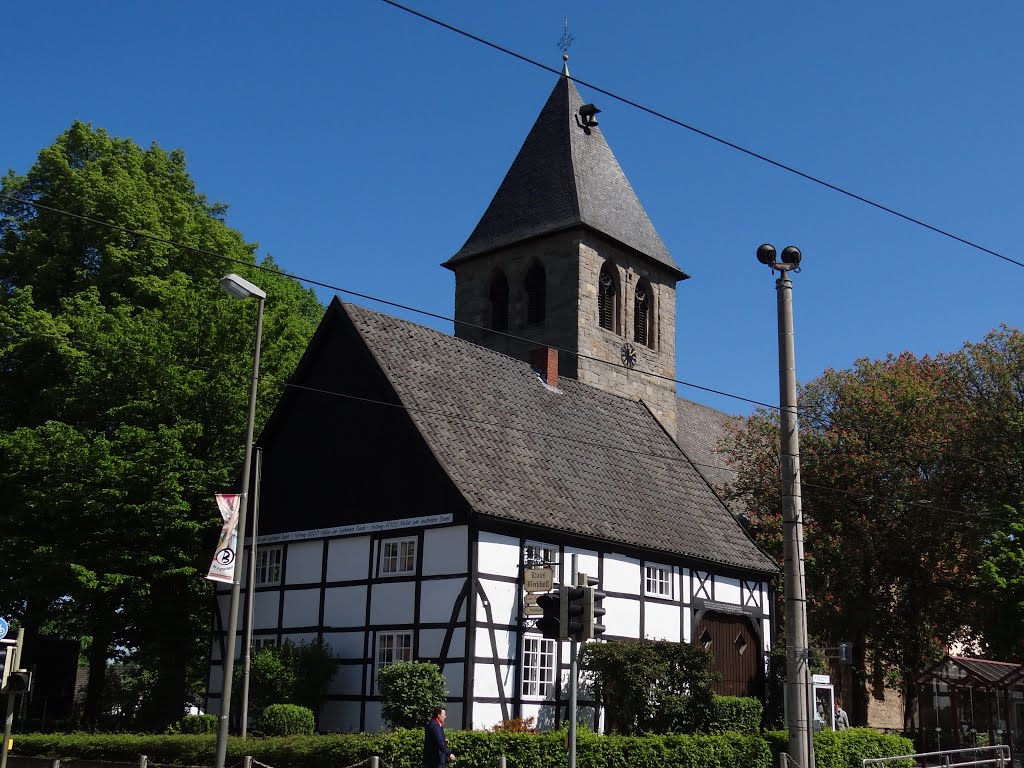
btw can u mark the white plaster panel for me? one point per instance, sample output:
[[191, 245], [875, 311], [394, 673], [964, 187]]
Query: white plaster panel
[[216, 679], [687, 625], [766, 607], [505, 642], [677, 583], [586, 562], [437, 598], [348, 559], [305, 562], [213, 707], [345, 645], [445, 550], [661, 622], [727, 590], [393, 602], [766, 633], [454, 719], [544, 714], [486, 715], [348, 679], [431, 641], [215, 651], [301, 608], [498, 555], [298, 638], [454, 673], [502, 597], [621, 574], [265, 609], [339, 716], [374, 718], [223, 604], [685, 591], [345, 606], [486, 683], [622, 617]]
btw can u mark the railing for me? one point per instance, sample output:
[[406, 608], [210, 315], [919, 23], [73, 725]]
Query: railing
[[1000, 757]]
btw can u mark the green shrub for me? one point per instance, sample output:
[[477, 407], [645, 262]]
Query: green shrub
[[195, 724], [409, 692], [736, 713], [287, 720], [845, 749]]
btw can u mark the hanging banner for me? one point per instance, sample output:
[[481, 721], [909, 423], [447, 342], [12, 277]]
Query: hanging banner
[[223, 566]]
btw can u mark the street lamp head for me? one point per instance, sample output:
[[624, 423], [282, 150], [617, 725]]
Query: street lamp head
[[766, 254], [239, 288], [791, 255]]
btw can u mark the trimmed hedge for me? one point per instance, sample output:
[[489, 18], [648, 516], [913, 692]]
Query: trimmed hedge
[[474, 749], [196, 724], [287, 720], [736, 713]]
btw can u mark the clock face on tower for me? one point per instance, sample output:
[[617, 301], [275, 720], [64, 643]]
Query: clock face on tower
[[628, 355]]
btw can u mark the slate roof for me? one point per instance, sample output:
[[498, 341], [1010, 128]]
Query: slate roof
[[565, 177], [699, 433], [577, 460]]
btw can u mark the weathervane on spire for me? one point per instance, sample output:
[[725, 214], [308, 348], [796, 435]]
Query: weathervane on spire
[[565, 42]]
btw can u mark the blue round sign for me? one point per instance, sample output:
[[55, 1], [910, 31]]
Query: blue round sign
[[3, 628]]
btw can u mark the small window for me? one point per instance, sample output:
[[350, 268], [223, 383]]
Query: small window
[[643, 315], [607, 299], [538, 666], [259, 643], [536, 295], [268, 566], [393, 647], [539, 554], [398, 557], [499, 303], [657, 581]]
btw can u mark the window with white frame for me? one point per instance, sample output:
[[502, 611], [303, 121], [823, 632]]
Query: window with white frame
[[657, 581], [393, 647], [259, 643], [539, 554], [398, 556], [538, 666], [268, 565]]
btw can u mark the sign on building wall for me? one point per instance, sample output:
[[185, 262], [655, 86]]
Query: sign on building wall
[[536, 580]]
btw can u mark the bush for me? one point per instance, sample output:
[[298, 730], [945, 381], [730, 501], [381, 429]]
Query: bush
[[736, 713], [287, 720], [845, 749], [194, 724], [409, 692]]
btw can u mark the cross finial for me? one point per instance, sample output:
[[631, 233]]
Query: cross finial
[[565, 42]]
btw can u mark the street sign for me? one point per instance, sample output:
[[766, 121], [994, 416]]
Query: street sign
[[530, 607], [4, 626], [536, 580]]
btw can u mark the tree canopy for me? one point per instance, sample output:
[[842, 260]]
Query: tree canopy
[[907, 466], [123, 388]]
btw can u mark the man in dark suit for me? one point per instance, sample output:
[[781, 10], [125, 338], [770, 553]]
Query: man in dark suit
[[435, 746]]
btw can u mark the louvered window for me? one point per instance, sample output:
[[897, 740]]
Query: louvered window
[[607, 300], [536, 294], [499, 303], [642, 316]]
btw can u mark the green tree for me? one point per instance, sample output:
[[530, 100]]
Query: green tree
[[650, 686], [289, 673], [1001, 580], [409, 692], [123, 377]]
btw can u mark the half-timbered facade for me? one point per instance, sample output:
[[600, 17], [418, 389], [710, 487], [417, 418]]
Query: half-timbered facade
[[409, 476]]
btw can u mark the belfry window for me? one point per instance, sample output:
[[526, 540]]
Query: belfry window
[[607, 299], [499, 303], [536, 294], [643, 315]]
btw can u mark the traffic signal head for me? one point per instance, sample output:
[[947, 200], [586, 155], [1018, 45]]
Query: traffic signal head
[[550, 624], [19, 681], [574, 602]]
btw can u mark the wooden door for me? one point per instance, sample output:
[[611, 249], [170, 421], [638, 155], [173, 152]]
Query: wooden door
[[736, 651]]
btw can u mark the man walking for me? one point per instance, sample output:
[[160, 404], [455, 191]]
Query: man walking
[[435, 746]]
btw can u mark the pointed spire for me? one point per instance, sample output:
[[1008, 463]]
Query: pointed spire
[[565, 65]]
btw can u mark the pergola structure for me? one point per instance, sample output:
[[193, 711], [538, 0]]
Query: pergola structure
[[971, 703]]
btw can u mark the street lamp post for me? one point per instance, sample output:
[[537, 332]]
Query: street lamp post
[[239, 288], [798, 676]]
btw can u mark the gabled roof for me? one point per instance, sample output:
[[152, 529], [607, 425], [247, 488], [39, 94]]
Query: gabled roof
[[565, 176], [575, 459]]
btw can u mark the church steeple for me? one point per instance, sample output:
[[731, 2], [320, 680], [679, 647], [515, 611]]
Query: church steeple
[[565, 256]]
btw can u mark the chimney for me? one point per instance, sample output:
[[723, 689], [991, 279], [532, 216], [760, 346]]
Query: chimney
[[545, 362]]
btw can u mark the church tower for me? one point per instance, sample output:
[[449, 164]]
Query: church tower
[[565, 256]]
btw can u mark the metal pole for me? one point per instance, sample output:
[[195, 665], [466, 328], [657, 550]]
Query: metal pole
[[9, 719], [229, 644], [250, 597], [798, 704], [573, 647]]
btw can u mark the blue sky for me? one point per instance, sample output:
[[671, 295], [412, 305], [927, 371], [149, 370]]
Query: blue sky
[[359, 145]]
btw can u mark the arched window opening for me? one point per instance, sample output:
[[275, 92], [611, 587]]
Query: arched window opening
[[643, 315], [499, 303], [536, 295], [607, 299]]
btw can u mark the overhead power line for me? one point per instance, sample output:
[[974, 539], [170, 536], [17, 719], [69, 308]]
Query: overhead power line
[[700, 132], [408, 308]]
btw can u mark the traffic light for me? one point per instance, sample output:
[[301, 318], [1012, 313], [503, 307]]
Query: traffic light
[[19, 681], [550, 624], [594, 612], [574, 607]]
